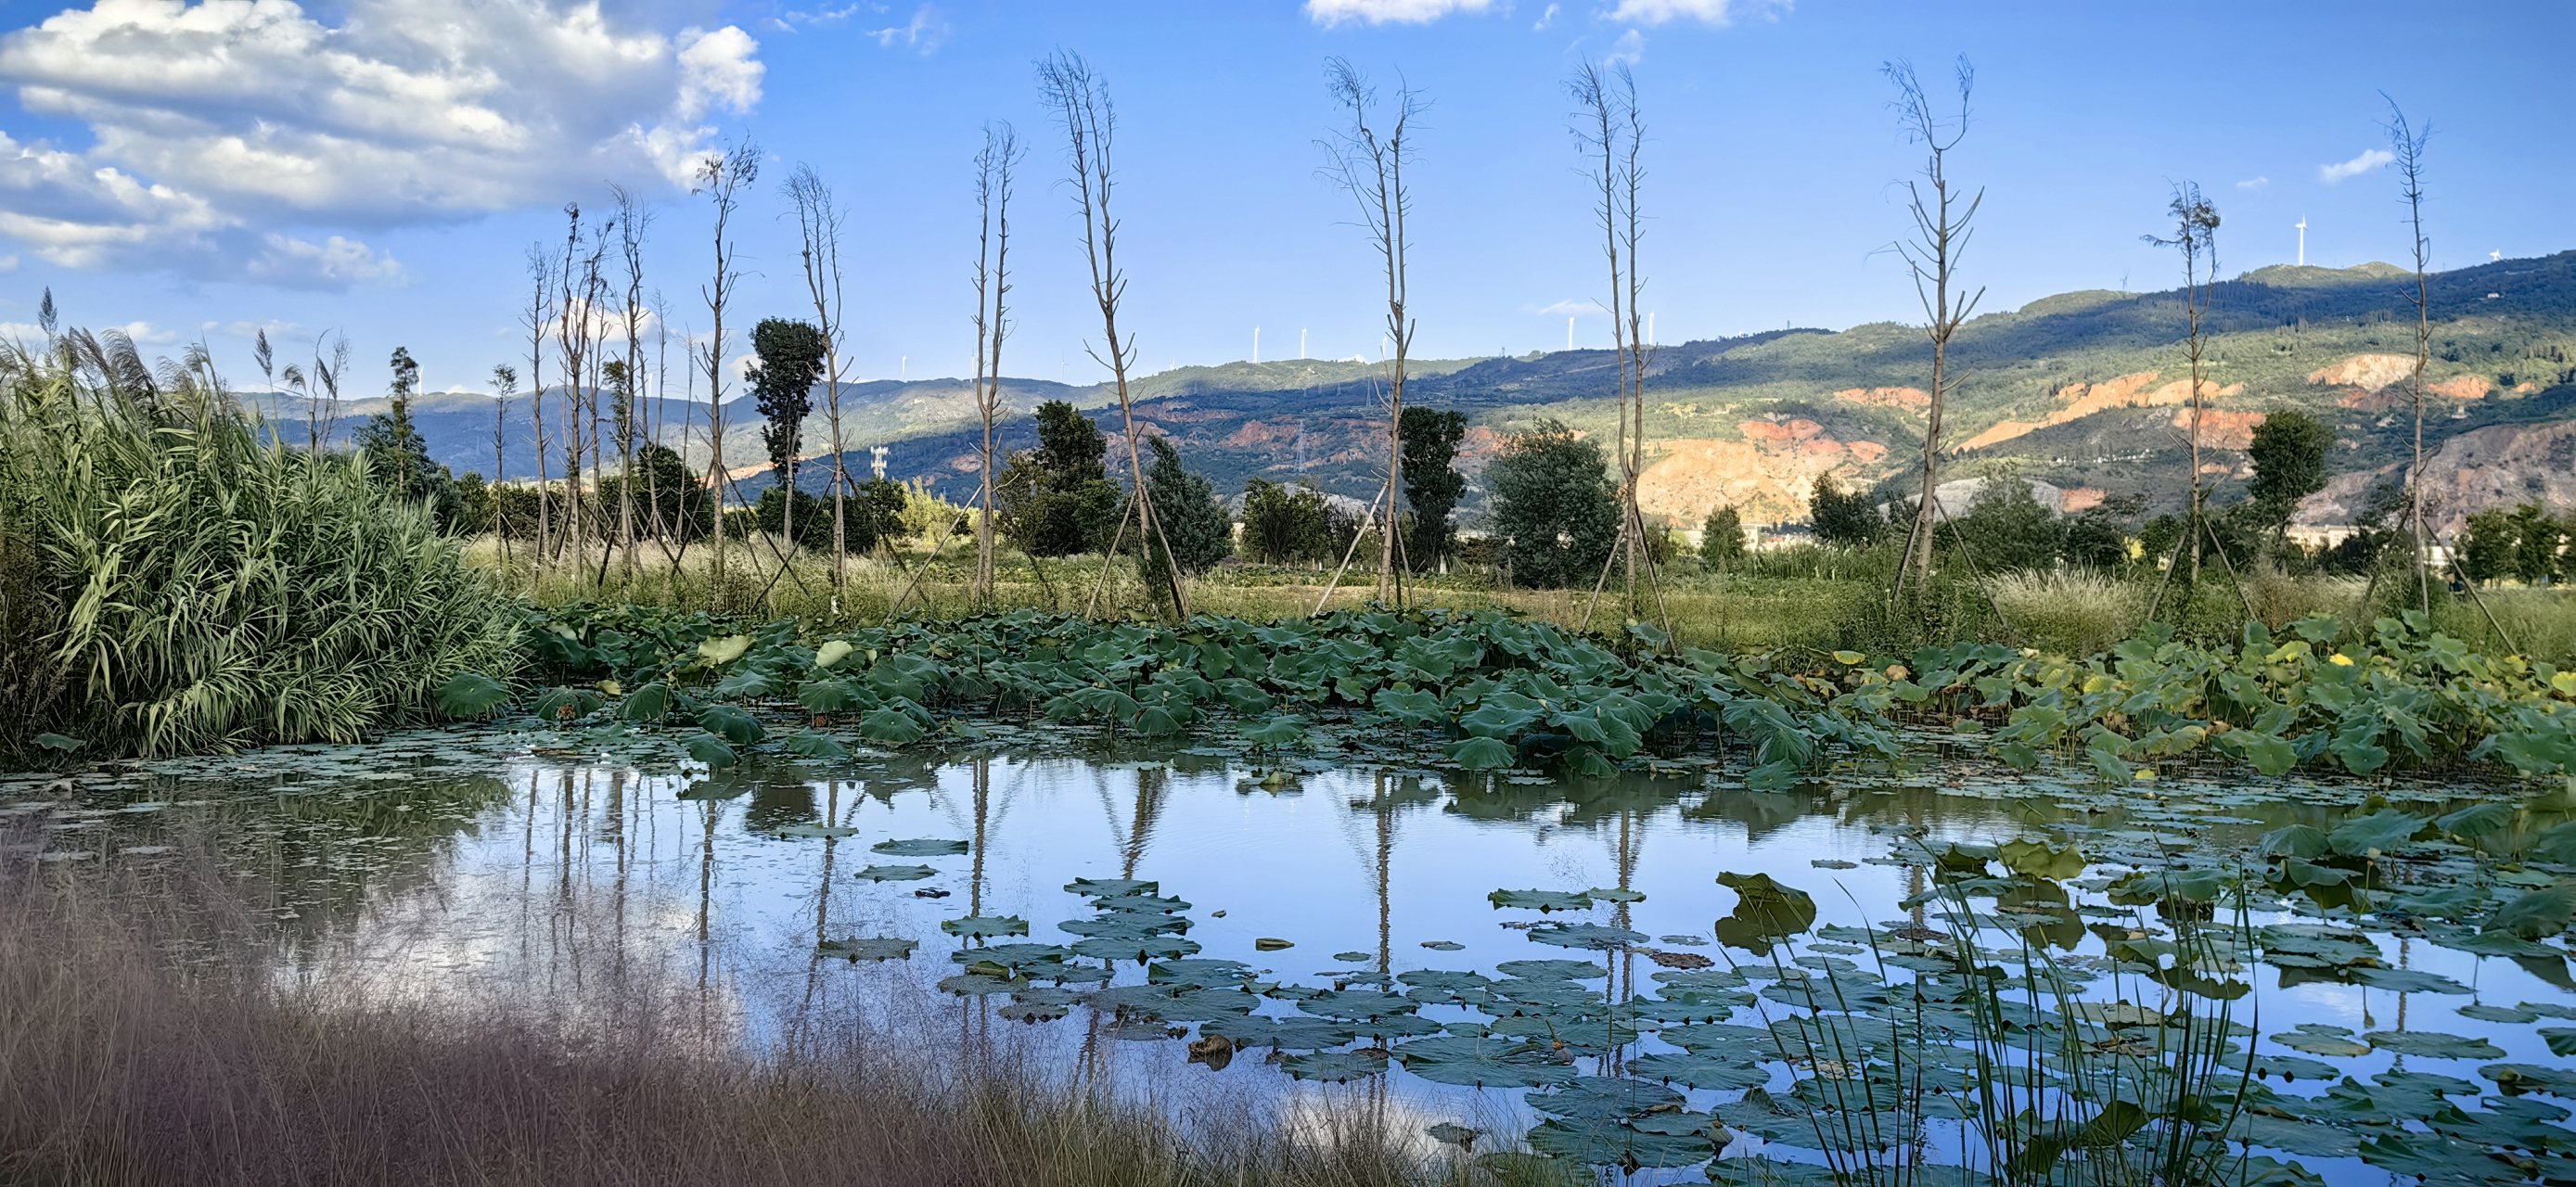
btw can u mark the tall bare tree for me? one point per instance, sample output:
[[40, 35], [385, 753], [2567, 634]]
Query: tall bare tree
[[1941, 234], [818, 226], [1082, 108], [634, 224], [505, 384], [1368, 161], [1610, 130], [576, 328], [2408, 141], [993, 167], [539, 315], [721, 177], [2196, 238]]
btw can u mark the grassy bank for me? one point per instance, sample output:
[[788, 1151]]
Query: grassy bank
[[1811, 599], [145, 1042]]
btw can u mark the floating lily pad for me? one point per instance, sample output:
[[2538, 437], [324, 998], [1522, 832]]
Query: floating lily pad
[[2407, 981], [1443, 945], [1758, 1171], [816, 830], [1700, 1071], [1333, 1067], [970, 926], [1552, 970], [2531, 1077], [1286, 1034], [1010, 956], [1542, 900], [1620, 1145], [2433, 1044], [1596, 936], [1356, 1005], [868, 948], [1617, 895], [2287, 1067], [1354, 956], [1271, 944], [919, 847], [894, 873], [1482, 1062], [1112, 887], [1198, 971]]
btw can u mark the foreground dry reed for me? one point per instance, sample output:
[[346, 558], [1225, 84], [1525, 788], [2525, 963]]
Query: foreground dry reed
[[143, 1040]]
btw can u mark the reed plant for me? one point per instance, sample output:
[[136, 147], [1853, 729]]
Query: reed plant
[[184, 581]]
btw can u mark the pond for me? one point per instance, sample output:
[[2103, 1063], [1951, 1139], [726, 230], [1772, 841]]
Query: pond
[[1633, 972]]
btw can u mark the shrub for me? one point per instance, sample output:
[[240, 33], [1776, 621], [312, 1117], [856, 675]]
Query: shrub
[[209, 588], [1553, 503]]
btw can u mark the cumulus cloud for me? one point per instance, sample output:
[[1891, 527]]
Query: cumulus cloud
[[1630, 48], [1546, 18], [2253, 183], [1707, 12], [2370, 158], [216, 125], [1379, 12]]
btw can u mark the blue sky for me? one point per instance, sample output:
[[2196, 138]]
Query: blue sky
[[378, 167]]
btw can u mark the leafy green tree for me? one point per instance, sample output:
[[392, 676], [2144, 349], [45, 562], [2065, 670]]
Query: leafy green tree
[[398, 456], [2005, 528], [1056, 499], [790, 355], [1842, 519], [2522, 543], [1430, 438], [2095, 539], [1721, 536], [1554, 506], [1285, 524], [810, 523], [1186, 509], [2289, 456], [670, 495]]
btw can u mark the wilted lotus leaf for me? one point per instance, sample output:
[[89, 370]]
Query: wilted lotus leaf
[[1541, 900], [832, 652], [1333, 1067], [1271, 944], [919, 847], [1710, 1072], [1482, 1062], [985, 925], [1552, 970], [2433, 1044], [868, 948], [2039, 859], [816, 830], [719, 652], [894, 873], [1765, 911]]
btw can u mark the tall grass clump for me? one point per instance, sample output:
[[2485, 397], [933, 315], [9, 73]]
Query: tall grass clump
[[2072, 612], [185, 582]]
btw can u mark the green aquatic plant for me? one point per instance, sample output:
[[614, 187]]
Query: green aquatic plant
[[214, 588]]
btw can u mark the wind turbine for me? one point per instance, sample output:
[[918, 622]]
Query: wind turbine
[[2495, 255], [2303, 240], [1301, 343], [1569, 333], [1256, 344]]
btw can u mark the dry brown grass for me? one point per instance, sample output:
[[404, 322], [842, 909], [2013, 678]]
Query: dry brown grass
[[145, 1038]]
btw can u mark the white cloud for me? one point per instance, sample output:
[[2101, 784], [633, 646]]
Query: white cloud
[[1708, 12], [1574, 308], [2370, 158], [924, 32], [1631, 48], [21, 332], [216, 125], [1546, 18], [8, 264], [252, 329], [2253, 183], [1379, 12]]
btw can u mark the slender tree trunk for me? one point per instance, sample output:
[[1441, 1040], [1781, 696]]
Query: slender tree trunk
[[2409, 142], [1932, 259]]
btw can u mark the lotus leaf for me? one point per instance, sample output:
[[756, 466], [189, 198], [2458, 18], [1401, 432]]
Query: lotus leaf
[[1526, 994], [832, 696], [1443, 945], [1765, 911], [2040, 859], [1011, 956], [890, 726], [2297, 1137], [868, 948], [2407, 981], [1755, 1170], [1700, 1071], [732, 724], [2317, 1038], [2433, 1044], [64, 744], [2517, 1078], [971, 926], [1355, 1005], [893, 873], [1481, 1062], [709, 749], [1352, 955], [719, 652], [466, 694], [1333, 1067], [1149, 948], [2535, 914], [2475, 821], [745, 682], [1277, 732], [1452, 1135], [2296, 840], [1032, 1012], [2287, 1067], [1271, 944], [1286, 1034], [566, 704], [1201, 971], [1617, 895], [1112, 887], [816, 830], [2437, 1159], [1482, 754], [2379, 832], [1596, 936], [1541, 900], [1620, 1145], [919, 847], [1551, 970], [814, 745]]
